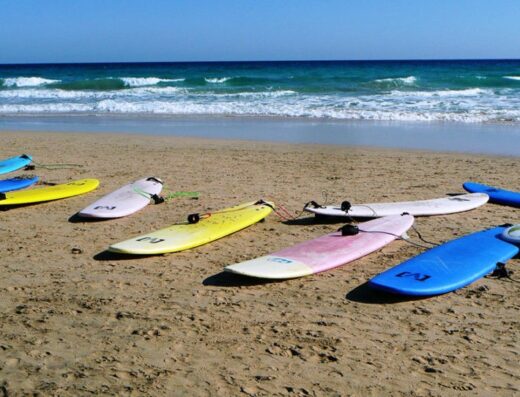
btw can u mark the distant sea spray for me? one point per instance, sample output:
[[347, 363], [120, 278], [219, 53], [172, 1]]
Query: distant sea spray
[[462, 91]]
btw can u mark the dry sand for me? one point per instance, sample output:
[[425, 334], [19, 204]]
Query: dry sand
[[77, 321]]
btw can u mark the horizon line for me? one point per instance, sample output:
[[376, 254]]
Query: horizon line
[[263, 61]]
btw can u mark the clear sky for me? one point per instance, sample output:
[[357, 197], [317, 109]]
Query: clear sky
[[34, 31]]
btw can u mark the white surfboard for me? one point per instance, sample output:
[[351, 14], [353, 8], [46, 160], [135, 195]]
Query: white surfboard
[[124, 201], [440, 206]]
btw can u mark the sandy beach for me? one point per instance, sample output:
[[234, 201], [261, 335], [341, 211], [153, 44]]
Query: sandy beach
[[75, 320]]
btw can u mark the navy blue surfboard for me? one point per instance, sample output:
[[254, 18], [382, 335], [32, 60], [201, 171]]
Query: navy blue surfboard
[[496, 195], [449, 266], [14, 163], [8, 185]]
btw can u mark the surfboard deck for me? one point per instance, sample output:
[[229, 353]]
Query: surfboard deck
[[125, 200], [448, 267], [187, 235], [17, 183], [326, 252], [496, 195], [14, 163], [440, 206], [49, 193]]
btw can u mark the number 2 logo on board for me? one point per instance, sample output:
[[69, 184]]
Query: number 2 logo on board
[[416, 276]]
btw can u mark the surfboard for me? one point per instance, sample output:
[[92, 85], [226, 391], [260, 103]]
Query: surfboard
[[125, 200], [183, 236], [496, 195], [17, 183], [49, 193], [14, 163], [449, 266], [440, 206], [326, 252]]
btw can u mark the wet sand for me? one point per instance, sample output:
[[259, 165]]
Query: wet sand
[[75, 320]]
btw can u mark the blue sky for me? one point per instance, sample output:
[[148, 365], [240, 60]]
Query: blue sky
[[34, 31]]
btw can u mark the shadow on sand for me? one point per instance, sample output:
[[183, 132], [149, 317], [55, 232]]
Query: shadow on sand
[[113, 256], [366, 294], [76, 218], [226, 279], [319, 220]]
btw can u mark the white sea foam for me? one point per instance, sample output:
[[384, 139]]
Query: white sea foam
[[217, 80], [146, 81], [410, 80], [28, 94], [152, 91], [27, 81], [46, 108], [469, 106], [444, 93], [57, 94], [252, 95], [512, 77]]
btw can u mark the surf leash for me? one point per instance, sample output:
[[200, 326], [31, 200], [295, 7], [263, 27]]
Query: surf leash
[[154, 197], [345, 207], [56, 166], [173, 195], [25, 176], [283, 213], [421, 237], [45, 183], [196, 217], [351, 230], [500, 272]]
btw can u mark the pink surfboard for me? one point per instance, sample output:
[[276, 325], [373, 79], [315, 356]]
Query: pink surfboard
[[327, 252]]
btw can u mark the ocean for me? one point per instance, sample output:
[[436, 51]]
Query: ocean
[[483, 91]]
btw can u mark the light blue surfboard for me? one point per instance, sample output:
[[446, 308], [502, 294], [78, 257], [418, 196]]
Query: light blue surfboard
[[17, 183], [14, 163], [449, 266], [496, 195]]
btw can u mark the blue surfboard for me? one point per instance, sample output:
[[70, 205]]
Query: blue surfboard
[[496, 195], [8, 185], [14, 163], [447, 267]]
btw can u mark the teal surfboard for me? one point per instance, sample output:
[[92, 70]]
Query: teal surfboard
[[14, 163], [449, 266]]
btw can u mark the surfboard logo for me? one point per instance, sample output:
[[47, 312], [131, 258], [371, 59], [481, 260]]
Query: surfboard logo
[[105, 207], [416, 276], [280, 260], [458, 199], [151, 240]]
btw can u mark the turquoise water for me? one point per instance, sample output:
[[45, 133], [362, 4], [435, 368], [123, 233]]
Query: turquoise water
[[410, 91]]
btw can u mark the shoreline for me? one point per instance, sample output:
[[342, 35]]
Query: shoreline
[[74, 320], [485, 139]]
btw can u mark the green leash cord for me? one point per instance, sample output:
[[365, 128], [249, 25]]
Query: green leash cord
[[168, 197], [173, 195]]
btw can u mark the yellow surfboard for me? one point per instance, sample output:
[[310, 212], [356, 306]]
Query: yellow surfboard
[[182, 236], [49, 193]]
